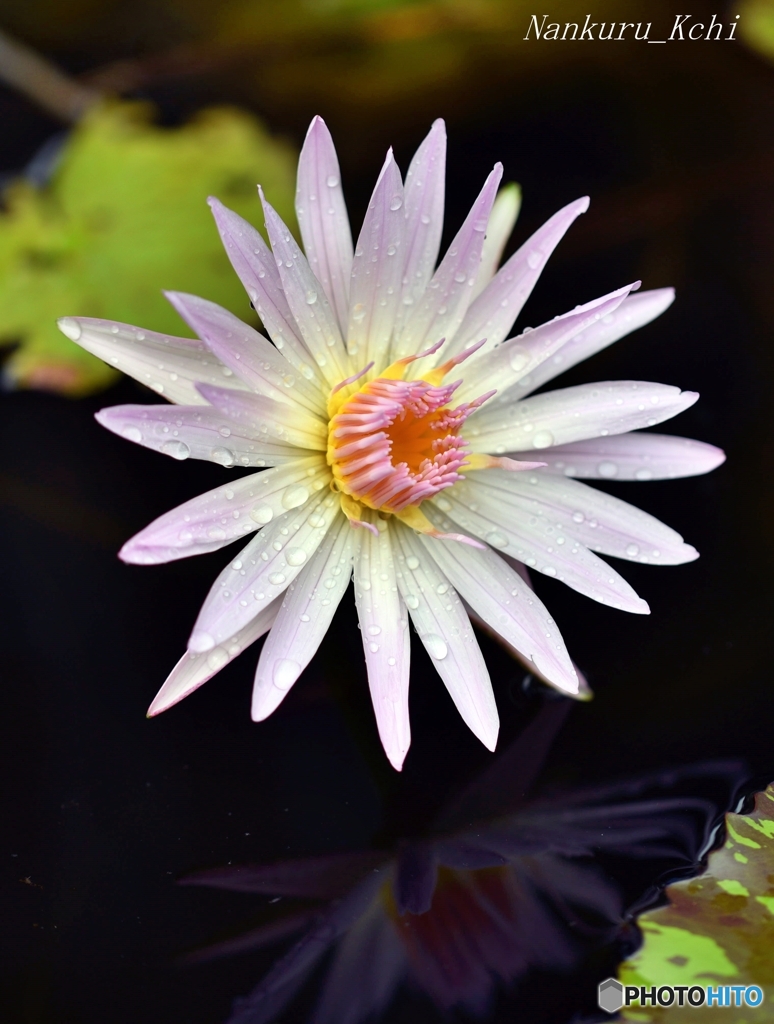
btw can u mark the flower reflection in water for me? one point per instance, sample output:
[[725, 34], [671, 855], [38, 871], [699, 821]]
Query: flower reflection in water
[[502, 883]]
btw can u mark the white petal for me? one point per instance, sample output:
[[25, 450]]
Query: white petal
[[169, 366], [307, 300], [252, 358], [635, 311], [194, 669], [257, 269], [377, 270], [603, 523], [322, 217], [502, 221], [220, 516], [307, 609], [440, 311], [508, 606], [504, 366], [261, 417], [493, 313], [633, 457], [424, 191], [573, 414], [385, 634], [262, 571], [444, 628], [534, 540], [198, 432]]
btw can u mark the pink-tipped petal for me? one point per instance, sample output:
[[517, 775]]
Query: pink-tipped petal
[[197, 432], [260, 416], [534, 540], [307, 300], [377, 270], [193, 670], [574, 414], [227, 513], [506, 365], [635, 311], [639, 457], [444, 629], [424, 191], [257, 269], [385, 634], [603, 523], [493, 313], [253, 359], [322, 217], [169, 366], [507, 605], [308, 607], [440, 311], [502, 221], [261, 571]]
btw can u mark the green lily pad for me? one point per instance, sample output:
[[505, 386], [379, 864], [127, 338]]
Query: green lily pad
[[123, 216], [718, 928]]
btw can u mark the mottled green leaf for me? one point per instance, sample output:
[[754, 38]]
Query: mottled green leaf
[[124, 216], [718, 928]]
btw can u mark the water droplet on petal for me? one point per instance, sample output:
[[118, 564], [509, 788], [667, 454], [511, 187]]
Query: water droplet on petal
[[632, 550], [276, 579], [519, 359], [549, 570], [332, 181], [177, 449], [295, 556], [285, 673], [70, 328], [577, 517], [643, 474], [607, 469], [497, 540], [262, 514], [311, 297], [223, 456], [412, 562], [396, 202], [200, 642], [412, 601], [374, 630], [294, 496], [132, 434], [534, 259], [436, 647], [543, 439], [217, 658]]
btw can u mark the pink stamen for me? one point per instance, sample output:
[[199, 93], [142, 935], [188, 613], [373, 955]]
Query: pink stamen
[[352, 379]]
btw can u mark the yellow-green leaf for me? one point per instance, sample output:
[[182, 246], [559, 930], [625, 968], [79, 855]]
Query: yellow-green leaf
[[123, 217]]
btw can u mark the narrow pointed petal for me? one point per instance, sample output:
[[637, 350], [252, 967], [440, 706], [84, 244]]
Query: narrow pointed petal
[[503, 367], [220, 516], [193, 670], [502, 221], [257, 269], [169, 366], [322, 217], [307, 610], [494, 312], [384, 629], [573, 414], [425, 192], [254, 360], [534, 540], [508, 606], [440, 311], [261, 571], [603, 523], [307, 300], [198, 432], [635, 311], [638, 457], [259, 416], [369, 964], [444, 628], [377, 270]]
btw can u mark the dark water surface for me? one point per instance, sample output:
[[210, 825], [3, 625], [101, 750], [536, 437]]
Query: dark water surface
[[103, 811]]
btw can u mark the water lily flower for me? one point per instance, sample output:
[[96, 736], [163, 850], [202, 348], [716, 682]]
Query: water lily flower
[[503, 883], [392, 420]]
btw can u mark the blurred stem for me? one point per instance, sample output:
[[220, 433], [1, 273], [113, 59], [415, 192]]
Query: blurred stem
[[42, 82]]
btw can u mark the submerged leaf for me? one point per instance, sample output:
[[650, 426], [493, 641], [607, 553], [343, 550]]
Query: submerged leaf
[[123, 216], [717, 928]]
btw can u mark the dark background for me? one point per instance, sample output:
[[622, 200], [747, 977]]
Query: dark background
[[103, 810]]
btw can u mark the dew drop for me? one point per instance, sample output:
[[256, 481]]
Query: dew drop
[[294, 496], [295, 556], [412, 601], [332, 181], [276, 579], [534, 259], [396, 202], [543, 439], [176, 449], [374, 630], [607, 469], [497, 540], [285, 673], [216, 533], [132, 434], [632, 550], [223, 456], [436, 647], [549, 570], [262, 514], [412, 562], [373, 648], [577, 517], [217, 658], [519, 359], [311, 297], [643, 474]]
